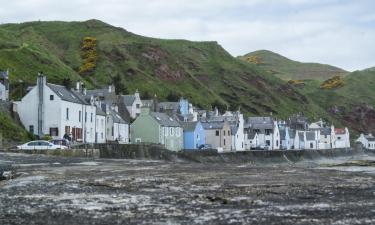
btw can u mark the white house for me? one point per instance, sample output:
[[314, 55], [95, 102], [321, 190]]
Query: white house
[[117, 129], [4, 85], [54, 110], [367, 141], [267, 131], [133, 104], [236, 122], [342, 138], [100, 127], [326, 138]]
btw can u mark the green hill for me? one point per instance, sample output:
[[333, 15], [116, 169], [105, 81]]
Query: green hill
[[202, 71], [352, 103], [100, 54], [287, 69]]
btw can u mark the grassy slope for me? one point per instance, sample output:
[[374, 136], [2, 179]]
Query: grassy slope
[[287, 69], [202, 71]]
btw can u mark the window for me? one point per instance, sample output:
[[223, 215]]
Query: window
[[137, 106], [67, 113], [277, 143], [172, 131], [79, 115], [54, 131], [85, 116], [101, 134], [311, 145], [51, 97], [228, 132], [31, 129], [224, 142], [217, 133], [268, 143], [338, 138], [268, 131], [113, 131]]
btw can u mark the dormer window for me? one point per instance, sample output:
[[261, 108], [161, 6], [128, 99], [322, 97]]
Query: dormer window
[[51, 97]]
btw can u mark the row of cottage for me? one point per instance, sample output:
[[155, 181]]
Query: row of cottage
[[100, 116]]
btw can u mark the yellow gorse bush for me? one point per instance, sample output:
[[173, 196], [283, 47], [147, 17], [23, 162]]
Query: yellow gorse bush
[[88, 55], [333, 82]]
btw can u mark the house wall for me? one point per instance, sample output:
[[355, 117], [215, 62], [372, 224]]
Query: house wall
[[239, 138], [173, 138], [194, 139], [4, 93], [275, 137], [226, 140], [184, 106], [146, 129], [212, 139], [121, 132], [133, 110], [100, 129], [325, 142]]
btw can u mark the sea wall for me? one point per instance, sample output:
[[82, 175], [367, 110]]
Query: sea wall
[[157, 152]]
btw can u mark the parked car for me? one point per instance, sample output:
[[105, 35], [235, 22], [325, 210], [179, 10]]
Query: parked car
[[206, 146], [40, 145], [61, 142]]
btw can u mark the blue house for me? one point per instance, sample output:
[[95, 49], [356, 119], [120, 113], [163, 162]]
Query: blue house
[[194, 135], [183, 106]]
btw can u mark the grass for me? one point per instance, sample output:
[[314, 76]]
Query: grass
[[201, 71]]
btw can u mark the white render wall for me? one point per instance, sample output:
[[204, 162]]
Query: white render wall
[[100, 128], [4, 94], [54, 114]]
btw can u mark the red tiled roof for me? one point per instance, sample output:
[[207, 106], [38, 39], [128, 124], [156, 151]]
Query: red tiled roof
[[339, 131]]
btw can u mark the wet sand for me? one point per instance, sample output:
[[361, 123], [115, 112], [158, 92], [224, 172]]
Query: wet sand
[[55, 190]]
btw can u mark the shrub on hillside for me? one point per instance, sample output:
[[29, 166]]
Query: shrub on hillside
[[88, 55], [334, 82], [296, 82], [253, 59]]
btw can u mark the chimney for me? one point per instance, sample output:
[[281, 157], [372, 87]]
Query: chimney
[[136, 94], [84, 91], [110, 88], [78, 85]]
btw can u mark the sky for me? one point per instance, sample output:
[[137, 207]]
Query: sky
[[336, 32]]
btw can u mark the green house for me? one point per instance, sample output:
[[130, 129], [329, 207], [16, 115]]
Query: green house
[[158, 128]]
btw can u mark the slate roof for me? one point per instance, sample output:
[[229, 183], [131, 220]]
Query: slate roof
[[128, 99], [116, 117], [66, 94], [100, 112], [310, 136], [189, 126], [251, 135], [147, 103], [370, 138], [3, 75], [165, 120], [169, 106], [213, 125], [260, 123], [325, 131]]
